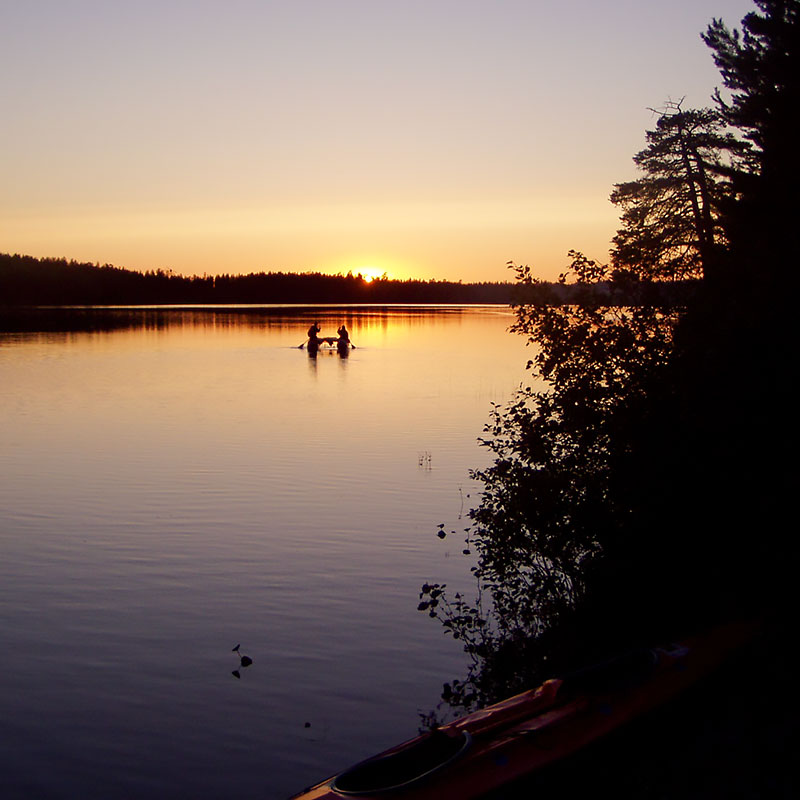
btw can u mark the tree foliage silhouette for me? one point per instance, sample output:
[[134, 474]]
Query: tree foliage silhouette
[[671, 216], [760, 67], [624, 499]]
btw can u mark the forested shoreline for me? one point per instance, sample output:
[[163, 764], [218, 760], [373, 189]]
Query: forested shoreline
[[26, 281], [29, 281]]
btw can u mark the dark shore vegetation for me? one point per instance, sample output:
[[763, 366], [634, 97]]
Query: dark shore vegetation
[[647, 492]]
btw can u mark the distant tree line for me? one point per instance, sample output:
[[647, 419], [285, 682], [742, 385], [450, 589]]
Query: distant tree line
[[25, 280]]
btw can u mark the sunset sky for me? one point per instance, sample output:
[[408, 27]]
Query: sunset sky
[[421, 138]]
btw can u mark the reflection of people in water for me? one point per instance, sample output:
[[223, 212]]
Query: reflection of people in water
[[344, 337]]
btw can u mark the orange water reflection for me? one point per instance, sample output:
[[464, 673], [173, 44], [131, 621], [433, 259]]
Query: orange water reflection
[[177, 482]]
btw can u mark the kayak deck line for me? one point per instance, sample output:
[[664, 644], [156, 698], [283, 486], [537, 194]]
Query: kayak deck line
[[497, 745]]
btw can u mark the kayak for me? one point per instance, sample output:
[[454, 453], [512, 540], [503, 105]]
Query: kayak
[[500, 744], [328, 343]]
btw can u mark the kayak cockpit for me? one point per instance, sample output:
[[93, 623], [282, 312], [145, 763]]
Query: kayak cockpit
[[403, 766]]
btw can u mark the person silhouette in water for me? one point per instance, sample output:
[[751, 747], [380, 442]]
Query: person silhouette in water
[[344, 337], [313, 332]]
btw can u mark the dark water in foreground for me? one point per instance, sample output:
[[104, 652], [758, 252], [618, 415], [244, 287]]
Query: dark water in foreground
[[173, 489]]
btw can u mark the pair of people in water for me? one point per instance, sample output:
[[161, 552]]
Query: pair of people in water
[[314, 339]]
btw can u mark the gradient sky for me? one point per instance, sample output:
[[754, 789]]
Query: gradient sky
[[433, 139]]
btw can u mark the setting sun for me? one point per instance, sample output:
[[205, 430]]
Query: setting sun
[[370, 274]]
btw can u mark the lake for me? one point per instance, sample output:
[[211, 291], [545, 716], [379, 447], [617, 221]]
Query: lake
[[177, 482]]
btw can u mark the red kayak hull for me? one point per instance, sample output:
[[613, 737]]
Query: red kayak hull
[[505, 742]]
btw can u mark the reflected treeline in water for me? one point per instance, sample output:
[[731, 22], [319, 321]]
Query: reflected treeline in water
[[76, 319], [642, 493], [276, 317]]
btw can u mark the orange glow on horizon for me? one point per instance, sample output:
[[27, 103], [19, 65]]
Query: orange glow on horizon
[[468, 242]]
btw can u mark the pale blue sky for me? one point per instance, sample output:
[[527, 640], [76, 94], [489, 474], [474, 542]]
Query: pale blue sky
[[435, 139]]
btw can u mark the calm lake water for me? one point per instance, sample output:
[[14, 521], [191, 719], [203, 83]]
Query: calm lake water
[[189, 481]]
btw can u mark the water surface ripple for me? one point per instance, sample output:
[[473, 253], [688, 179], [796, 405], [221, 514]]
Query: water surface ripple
[[171, 490]]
